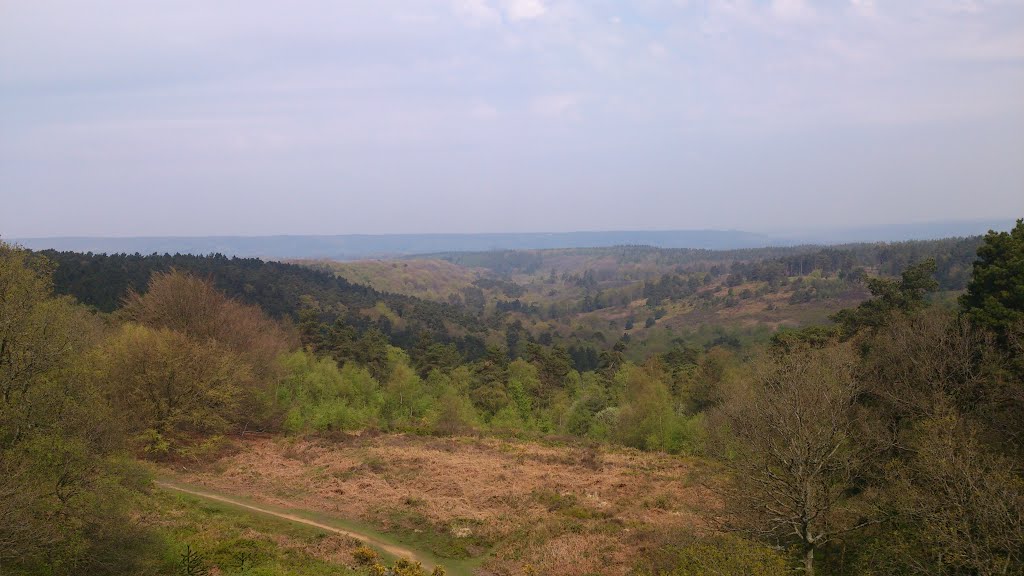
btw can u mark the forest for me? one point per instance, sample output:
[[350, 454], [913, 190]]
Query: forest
[[846, 410]]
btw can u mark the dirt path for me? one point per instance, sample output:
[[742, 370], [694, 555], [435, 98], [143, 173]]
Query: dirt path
[[387, 547]]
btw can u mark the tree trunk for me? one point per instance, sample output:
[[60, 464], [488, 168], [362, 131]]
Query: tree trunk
[[809, 560]]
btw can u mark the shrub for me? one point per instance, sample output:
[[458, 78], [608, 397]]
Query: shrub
[[365, 555], [723, 556]]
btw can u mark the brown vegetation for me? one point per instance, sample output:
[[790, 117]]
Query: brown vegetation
[[551, 508]]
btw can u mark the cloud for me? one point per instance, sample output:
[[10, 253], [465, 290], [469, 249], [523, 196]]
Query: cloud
[[384, 99], [516, 10]]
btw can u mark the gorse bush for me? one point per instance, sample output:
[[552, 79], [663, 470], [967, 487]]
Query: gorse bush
[[403, 567]]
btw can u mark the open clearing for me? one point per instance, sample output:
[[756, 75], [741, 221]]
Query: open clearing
[[509, 507]]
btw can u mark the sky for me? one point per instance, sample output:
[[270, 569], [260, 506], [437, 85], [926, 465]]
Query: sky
[[252, 117]]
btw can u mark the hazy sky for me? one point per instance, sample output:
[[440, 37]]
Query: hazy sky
[[195, 117]]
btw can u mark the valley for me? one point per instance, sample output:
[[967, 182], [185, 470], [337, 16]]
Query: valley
[[623, 411]]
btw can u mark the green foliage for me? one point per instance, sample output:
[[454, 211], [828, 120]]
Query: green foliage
[[789, 341], [906, 295], [645, 418], [956, 507], [173, 384], [920, 427], [722, 556], [316, 396], [995, 294], [65, 492], [280, 290], [192, 563]]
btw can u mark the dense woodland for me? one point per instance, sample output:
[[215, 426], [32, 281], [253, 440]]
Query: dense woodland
[[885, 440]]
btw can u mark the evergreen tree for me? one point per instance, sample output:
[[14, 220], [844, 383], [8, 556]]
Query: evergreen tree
[[995, 294]]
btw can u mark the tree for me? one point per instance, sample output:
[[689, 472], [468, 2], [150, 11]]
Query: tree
[[790, 440], [906, 295], [191, 306], [36, 330], [173, 384], [487, 389], [405, 397], [62, 497], [646, 419], [995, 294], [950, 425], [918, 366], [371, 350], [958, 507], [455, 413]]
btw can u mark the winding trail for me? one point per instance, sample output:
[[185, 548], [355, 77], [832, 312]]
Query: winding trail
[[387, 547]]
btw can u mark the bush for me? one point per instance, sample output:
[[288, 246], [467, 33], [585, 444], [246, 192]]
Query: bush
[[316, 396], [722, 556], [365, 555]]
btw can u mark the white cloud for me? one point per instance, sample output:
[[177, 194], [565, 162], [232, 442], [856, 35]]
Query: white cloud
[[516, 10]]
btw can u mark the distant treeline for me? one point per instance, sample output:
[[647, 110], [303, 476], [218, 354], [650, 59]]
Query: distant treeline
[[281, 290], [953, 257]]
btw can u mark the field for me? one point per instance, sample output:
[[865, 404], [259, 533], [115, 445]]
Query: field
[[509, 507]]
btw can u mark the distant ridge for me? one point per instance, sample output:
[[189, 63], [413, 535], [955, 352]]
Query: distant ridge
[[358, 246], [900, 232], [362, 246]]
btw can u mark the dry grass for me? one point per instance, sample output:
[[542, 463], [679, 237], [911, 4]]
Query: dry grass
[[547, 507]]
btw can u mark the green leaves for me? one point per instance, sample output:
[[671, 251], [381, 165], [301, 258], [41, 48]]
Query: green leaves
[[995, 295], [906, 295]]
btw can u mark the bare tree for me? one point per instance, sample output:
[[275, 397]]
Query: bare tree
[[790, 441]]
